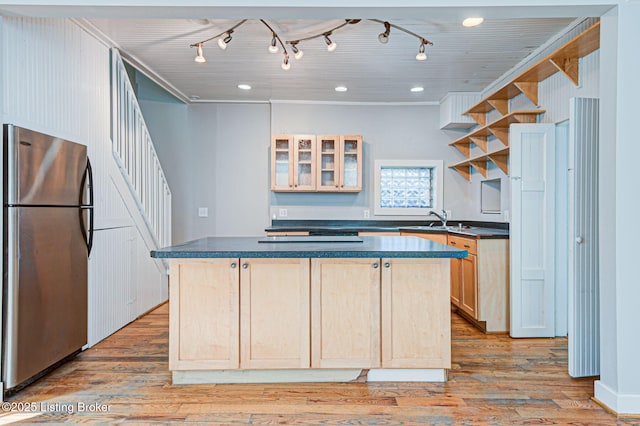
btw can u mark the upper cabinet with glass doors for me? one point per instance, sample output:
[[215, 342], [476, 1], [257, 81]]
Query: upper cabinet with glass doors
[[309, 163]]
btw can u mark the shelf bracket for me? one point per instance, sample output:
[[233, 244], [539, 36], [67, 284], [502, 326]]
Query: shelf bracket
[[480, 165], [479, 117], [501, 105], [568, 66], [480, 141], [463, 148], [529, 89], [501, 161], [501, 133], [463, 170]]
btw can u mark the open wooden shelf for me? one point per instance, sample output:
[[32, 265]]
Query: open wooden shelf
[[498, 157], [564, 59], [498, 128]]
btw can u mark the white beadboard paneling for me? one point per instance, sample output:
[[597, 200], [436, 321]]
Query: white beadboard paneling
[[151, 283], [56, 80], [584, 300], [111, 291], [452, 107]]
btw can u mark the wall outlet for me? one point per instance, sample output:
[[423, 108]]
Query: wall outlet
[[282, 212], [448, 214], [367, 214], [203, 212]]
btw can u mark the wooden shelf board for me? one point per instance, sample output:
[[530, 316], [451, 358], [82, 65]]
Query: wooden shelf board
[[562, 59], [519, 116]]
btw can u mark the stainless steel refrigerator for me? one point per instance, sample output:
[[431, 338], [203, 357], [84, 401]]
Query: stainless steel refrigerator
[[48, 233]]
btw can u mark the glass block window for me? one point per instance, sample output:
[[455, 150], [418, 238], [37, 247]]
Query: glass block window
[[408, 187], [404, 187]]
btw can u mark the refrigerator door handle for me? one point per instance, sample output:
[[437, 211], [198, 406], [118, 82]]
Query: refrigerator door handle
[[88, 178]]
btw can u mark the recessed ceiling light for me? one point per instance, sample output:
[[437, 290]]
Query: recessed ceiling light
[[417, 89], [244, 87], [341, 89], [194, 97], [472, 22]]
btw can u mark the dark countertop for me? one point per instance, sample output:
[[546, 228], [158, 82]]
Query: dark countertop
[[249, 247], [469, 229]]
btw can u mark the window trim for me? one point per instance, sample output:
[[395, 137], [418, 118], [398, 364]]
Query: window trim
[[437, 187]]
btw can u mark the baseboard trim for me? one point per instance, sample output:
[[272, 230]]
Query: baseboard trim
[[407, 375], [621, 404]]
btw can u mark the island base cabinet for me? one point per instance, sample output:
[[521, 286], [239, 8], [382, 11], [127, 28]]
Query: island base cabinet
[[204, 314], [274, 313], [416, 326], [345, 313]]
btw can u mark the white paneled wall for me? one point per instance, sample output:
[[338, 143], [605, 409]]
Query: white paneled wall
[[56, 79]]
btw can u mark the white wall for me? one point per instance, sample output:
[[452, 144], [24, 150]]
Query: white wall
[[619, 384], [214, 156], [398, 132], [55, 79]]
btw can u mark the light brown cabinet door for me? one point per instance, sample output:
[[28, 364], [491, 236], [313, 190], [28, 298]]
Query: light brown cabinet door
[[282, 162], [304, 175], [469, 296], [345, 313], [274, 322], [456, 281], [328, 176], [351, 163], [416, 317], [204, 314]]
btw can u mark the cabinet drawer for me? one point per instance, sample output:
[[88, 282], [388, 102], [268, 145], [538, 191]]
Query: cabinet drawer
[[468, 244]]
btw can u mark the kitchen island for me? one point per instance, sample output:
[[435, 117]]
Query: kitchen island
[[302, 309]]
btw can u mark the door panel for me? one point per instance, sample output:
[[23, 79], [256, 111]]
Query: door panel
[[532, 230]]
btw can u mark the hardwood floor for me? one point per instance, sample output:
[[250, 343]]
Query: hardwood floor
[[493, 380]]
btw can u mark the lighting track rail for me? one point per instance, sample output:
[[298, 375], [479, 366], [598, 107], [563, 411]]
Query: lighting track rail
[[225, 37]]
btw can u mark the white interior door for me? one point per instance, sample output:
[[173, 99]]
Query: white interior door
[[532, 166]]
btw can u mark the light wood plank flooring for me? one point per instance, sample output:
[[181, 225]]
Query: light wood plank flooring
[[494, 380]]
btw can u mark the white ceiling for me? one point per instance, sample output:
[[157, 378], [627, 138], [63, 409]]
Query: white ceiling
[[461, 59]]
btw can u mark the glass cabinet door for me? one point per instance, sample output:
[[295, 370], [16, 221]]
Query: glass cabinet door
[[351, 163], [305, 167], [281, 163], [328, 173]]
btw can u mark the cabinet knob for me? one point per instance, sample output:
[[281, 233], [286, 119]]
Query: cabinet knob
[[245, 265], [290, 186], [375, 265], [467, 246], [387, 264], [233, 265]]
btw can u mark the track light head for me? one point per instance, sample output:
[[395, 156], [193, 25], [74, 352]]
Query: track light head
[[223, 41], [297, 53], [273, 47], [421, 56], [199, 55], [286, 65], [384, 36], [331, 45]]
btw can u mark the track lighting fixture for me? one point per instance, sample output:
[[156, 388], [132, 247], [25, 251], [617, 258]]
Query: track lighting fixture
[[331, 45], [225, 37], [199, 56], [273, 47], [222, 42], [297, 53], [384, 37], [421, 56], [285, 63]]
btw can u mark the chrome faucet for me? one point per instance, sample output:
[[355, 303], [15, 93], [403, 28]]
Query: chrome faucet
[[442, 216]]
